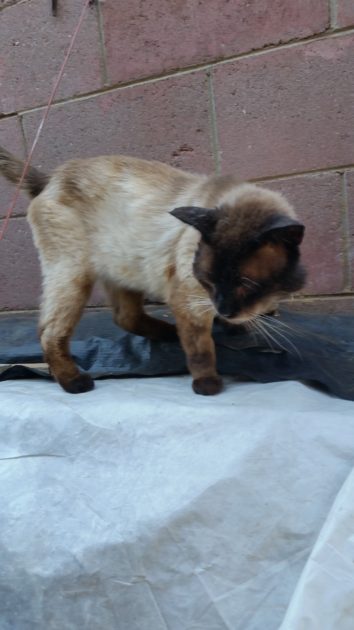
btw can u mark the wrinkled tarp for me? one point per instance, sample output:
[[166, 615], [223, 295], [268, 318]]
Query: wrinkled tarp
[[314, 348], [141, 506]]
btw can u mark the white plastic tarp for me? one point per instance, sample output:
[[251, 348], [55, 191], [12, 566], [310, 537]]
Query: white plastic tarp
[[141, 506]]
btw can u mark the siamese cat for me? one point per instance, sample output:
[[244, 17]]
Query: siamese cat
[[205, 246]]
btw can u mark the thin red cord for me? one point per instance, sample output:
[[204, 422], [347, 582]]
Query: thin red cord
[[44, 118]]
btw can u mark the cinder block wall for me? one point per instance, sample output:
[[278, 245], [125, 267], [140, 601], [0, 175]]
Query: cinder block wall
[[263, 88]]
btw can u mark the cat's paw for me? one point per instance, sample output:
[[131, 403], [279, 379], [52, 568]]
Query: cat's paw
[[208, 385], [78, 385]]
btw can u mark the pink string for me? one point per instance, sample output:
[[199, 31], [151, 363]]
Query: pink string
[[44, 118]]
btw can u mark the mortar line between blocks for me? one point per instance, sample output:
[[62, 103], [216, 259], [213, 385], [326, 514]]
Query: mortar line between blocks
[[347, 275], [24, 140], [190, 69], [11, 4], [102, 42], [20, 215], [333, 12], [319, 296], [213, 123], [316, 171]]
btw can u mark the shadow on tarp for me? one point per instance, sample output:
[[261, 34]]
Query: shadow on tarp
[[317, 349]]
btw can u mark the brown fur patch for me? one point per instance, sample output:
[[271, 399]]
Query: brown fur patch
[[196, 339], [200, 361], [203, 263], [88, 180], [129, 314], [60, 313], [244, 212], [34, 181], [79, 182], [208, 385], [216, 186], [265, 261], [170, 272], [57, 355]]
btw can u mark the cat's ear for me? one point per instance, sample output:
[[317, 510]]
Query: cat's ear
[[203, 219], [284, 230]]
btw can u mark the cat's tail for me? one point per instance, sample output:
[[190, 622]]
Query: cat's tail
[[12, 168]]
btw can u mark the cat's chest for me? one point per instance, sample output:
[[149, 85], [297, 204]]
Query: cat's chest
[[140, 269], [138, 249]]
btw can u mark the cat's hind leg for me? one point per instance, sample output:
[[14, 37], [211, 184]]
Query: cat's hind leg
[[65, 293], [60, 236], [129, 314]]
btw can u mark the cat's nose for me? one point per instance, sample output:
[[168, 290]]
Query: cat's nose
[[224, 305]]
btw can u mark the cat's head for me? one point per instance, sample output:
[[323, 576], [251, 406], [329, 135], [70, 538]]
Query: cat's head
[[248, 257]]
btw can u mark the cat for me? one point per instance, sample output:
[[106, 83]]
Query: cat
[[206, 246]]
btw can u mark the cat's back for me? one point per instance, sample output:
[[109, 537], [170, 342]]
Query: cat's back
[[117, 207], [124, 181]]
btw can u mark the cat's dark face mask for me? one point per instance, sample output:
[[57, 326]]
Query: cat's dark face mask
[[246, 269]]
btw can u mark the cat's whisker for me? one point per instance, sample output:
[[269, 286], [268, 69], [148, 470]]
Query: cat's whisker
[[286, 328], [258, 326], [252, 327], [276, 340], [250, 281], [267, 335], [279, 322], [276, 331], [299, 330]]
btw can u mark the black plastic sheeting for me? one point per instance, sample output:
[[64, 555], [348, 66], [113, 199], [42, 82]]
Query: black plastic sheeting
[[317, 349]]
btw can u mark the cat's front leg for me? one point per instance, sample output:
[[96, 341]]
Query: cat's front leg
[[197, 342]]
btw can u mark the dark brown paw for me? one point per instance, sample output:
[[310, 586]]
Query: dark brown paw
[[207, 385], [79, 384]]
